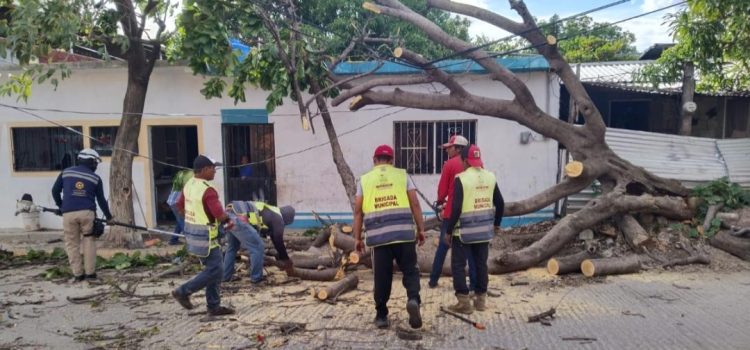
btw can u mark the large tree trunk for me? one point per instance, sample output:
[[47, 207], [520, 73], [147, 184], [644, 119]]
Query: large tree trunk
[[345, 172], [140, 66]]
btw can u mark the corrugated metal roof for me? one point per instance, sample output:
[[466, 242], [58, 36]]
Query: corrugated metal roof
[[691, 160], [613, 72], [736, 154]]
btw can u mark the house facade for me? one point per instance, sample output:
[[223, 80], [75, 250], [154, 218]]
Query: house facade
[[290, 165]]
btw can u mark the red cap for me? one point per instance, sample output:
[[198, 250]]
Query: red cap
[[384, 150], [474, 156]]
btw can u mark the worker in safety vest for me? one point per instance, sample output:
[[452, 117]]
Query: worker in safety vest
[[386, 202], [259, 217], [476, 213], [203, 215]]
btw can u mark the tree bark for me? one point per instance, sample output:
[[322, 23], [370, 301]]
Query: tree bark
[[140, 66], [610, 266], [739, 247], [567, 264], [345, 172], [315, 275], [342, 241], [298, 243], [312, 262], [333, 291], [632, 231], [693, 259]]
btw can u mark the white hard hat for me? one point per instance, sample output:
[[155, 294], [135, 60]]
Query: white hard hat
[[88, 153]]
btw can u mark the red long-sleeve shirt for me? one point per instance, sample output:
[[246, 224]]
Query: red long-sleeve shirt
[[451, 168], [211, 204]]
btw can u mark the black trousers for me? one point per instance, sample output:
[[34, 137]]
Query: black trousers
[[461, 252], [406, 259]]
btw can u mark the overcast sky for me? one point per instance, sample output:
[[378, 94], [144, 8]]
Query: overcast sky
[[648, 30]]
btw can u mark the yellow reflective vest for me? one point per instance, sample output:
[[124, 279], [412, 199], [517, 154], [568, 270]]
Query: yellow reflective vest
[[387, 215], [200, 233], [475, 225]]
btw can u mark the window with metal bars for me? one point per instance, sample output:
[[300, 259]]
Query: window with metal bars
[[45, 148], [418, 143]]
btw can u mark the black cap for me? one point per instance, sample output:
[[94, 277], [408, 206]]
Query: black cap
[[202, 161]]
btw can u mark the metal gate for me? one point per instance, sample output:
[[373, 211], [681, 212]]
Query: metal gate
[[256, 181]]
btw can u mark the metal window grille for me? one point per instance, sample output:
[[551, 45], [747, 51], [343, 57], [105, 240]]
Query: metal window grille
[[256, 141], [45, 148], [105, 139], [418, 144]]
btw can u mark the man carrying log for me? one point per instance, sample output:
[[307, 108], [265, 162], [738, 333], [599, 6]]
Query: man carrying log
[[452, 167], [387, 204], [477, 207], [265, 219], [203, 214]]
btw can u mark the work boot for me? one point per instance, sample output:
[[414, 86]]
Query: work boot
[[90, 277], [463, 305], [480, 302], [415, 319], [77, 279], [432, 284], [382, 322], [221, 311], [184, 300]]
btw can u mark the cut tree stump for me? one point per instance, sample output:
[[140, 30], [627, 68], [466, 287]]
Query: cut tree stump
[[567, 264], [328, 274], [333, 291], [610, 266], [737, 246], [312, 262], [710, 214]]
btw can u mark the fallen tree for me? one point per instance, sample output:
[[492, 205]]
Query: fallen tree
[[626, 188]]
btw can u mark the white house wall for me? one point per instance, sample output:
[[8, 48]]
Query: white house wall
[[308, 180]]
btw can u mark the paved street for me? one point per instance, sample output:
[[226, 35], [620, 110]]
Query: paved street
[[688, 308]]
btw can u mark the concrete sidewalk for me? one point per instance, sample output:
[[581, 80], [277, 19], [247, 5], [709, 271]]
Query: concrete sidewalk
[[686, 308]]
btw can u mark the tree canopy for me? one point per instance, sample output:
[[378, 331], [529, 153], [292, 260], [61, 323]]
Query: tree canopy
[[580, 40], [715, 36]]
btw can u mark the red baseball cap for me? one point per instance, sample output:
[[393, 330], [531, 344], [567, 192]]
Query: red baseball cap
[[474, 156], [383, 150], [456, 140]]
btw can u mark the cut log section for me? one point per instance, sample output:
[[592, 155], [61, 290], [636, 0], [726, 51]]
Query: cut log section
[[739, 247], [567, 264], [632, 231], [574, 169], [322, 238], [356, 258], [341, 241], [297, 243], [312, 262], [346, 229], [333, 291], [610, 266], [710, 214], [328, 274]]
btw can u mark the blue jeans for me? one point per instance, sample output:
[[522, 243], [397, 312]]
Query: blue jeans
[[246, 236], [441, 252], [179, 226], [209, 278]]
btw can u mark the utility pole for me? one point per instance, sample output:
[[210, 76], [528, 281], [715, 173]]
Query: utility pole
[[688, 91]]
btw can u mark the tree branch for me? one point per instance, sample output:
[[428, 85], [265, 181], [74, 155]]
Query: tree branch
[[342, 82], [437, 74], [565, 188], [478, 13], [394, 8], [372, 83]]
